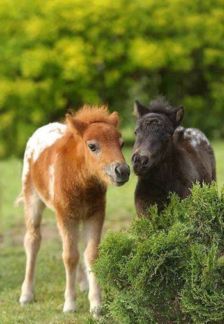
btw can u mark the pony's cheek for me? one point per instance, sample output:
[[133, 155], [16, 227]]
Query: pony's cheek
[[102, 170], [108, 171]]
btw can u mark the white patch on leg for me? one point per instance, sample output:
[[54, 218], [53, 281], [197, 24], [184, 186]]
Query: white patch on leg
[[42, 138]]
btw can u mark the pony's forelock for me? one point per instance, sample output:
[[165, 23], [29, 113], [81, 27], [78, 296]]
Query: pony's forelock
[[161, 105], [93, 114]]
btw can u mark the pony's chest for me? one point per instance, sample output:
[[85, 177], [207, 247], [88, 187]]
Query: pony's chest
[[149, 193], [84, 203]]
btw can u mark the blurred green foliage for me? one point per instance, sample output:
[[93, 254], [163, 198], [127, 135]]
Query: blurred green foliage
[[58, 54]]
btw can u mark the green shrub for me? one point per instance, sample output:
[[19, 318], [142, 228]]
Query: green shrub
[[169, 267]]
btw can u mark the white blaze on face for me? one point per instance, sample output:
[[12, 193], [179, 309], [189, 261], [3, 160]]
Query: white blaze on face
[[42, 138], [195, 136]]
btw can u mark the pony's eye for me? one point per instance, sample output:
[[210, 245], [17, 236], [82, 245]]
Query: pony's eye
[[92, 147]]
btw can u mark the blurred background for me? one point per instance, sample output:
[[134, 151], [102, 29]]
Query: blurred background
[[59, 54]]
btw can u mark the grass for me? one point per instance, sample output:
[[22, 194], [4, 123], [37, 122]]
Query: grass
[[219, 154], [50, 277]]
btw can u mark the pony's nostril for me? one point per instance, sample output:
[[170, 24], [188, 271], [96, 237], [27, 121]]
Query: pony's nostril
[[122, 171], [117, 170], [144, 160], [140, 160], [135, 158]]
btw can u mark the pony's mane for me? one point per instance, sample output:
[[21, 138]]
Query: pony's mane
[[161, 105], [93, 114]]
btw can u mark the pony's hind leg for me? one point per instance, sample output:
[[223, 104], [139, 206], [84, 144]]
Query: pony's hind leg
[[33, 208], [82, 278]]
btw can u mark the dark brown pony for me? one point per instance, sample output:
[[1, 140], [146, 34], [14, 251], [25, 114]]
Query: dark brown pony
[[167, 157], [67, 168]]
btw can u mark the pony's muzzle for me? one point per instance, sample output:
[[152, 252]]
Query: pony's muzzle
[[140, 159], [140, 163], [122, 172], [119, 173]]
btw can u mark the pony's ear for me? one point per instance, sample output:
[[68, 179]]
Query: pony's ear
[[179, 114], [114, 118], [139, 109], [76, 124]]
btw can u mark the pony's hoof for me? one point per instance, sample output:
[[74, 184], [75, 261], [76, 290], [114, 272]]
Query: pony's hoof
[[69, 306], [95, 312], [26, 299]]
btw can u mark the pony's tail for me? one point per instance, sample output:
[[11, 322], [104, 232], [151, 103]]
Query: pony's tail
[[19, 200]]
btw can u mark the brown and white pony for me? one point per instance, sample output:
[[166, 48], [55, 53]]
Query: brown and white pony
[[67, 168]]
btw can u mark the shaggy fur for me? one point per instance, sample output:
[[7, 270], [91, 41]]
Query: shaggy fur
[[67, 168], [167, 158]]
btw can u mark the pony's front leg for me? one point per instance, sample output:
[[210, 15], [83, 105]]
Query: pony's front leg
[[69, 233], [92, 229]]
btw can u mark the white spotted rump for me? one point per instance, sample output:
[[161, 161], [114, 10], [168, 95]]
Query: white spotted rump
[[195, 136], [42, 138]]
